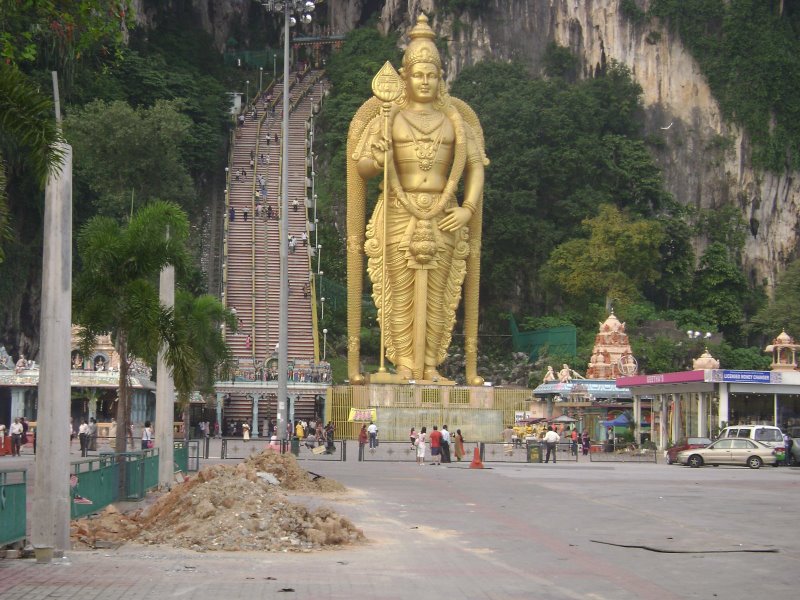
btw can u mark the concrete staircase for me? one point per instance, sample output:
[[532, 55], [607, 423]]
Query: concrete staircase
[[252, 282]]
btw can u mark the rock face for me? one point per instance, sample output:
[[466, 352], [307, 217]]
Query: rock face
[[705, 160]]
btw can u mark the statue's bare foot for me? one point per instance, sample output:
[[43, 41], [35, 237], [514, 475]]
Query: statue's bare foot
[[405, 373], [431, 374], [357, 379]]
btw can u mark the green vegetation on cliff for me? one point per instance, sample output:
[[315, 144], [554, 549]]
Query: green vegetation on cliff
[[749, 50]]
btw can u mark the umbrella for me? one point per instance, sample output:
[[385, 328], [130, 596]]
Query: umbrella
[[564, 419]]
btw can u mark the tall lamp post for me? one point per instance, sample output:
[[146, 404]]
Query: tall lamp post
[[324, 343], [289, 8], [247, 93], [260, 78]]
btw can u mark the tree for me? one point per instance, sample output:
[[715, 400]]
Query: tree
[[125, 154], [720, 290], [198, 351], [115, 291], [620, 255], [783, 311]]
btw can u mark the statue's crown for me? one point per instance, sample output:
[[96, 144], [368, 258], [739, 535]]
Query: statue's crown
[[422, 49]]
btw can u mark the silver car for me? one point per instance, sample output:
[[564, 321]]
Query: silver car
[[730, 451]]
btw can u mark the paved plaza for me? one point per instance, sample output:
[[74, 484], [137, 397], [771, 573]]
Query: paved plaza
[[570, 530]]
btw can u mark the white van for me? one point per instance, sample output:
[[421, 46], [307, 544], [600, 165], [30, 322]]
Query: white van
[[768, 434]]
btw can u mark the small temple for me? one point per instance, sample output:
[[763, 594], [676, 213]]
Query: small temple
[[784, 353], [611, 356]]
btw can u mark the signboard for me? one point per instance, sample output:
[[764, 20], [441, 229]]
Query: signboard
[[730, 376], [658, 378], [363, 414]]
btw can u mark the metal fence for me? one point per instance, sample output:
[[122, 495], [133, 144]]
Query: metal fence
[[187, 454], [389, 451], [238, 449], [603, 453], [13, 516], [94, 484]]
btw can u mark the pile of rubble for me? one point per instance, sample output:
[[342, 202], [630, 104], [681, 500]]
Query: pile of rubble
[[242, 507]]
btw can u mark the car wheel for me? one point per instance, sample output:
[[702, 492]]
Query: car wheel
[[695, 460], [754, 462], [669, 460]]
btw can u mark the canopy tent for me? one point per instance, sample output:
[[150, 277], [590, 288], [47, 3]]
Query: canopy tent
[[564, 419], [623, 420]]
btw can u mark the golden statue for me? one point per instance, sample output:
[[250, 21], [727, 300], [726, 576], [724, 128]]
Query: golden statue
[[423, 142]]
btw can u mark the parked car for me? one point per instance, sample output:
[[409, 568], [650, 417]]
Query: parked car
[[685, 444], [730, 451], [794, 433], [767, 434]]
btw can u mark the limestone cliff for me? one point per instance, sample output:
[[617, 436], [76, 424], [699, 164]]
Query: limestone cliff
[[706, 161]]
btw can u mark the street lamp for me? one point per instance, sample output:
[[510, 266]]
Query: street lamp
[[260, 78], [247, 93], [319, 259], [322, 316], [693, 335], [304, 8], [324, 343]]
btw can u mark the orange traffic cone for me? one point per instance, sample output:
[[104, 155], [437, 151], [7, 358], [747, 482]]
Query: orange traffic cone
[[476, 460]]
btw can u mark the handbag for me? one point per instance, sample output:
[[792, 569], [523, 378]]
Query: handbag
[[149, 443]]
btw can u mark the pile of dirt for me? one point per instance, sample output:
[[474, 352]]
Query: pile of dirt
[[229, 508]]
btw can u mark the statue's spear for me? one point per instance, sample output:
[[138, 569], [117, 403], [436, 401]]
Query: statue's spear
[[387, 86]]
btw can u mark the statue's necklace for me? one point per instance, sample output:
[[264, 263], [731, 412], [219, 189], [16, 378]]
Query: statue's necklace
[[426, 148]]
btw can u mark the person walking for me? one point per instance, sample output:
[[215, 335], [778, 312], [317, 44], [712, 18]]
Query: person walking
[[83, 438], [245, 213], [585, 442], [551, 439], [412, 435], [246, 432], [459, 445], [16, 437], [445, 444], [436, 446], [362, 441], [92, 445], [788, 442], [372, 430], [574, 442], [330, 430], [508, 440], [147, 436], [421, 442]]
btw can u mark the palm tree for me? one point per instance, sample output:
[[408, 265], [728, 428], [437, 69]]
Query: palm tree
[[198, 330], [116, 292], [29, 135]]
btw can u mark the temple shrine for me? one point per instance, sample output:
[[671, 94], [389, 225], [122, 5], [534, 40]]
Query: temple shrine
[[611, 356]]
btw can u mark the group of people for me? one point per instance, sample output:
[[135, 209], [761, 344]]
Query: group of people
[[440, 443], [18, 431]]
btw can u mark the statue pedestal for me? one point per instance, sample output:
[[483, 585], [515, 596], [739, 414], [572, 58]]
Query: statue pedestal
[[481, 412], [385, 378]]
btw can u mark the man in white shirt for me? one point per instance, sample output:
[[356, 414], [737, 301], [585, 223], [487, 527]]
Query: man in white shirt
[[16, 437], [445, 444], [551, 438], [372, 430]]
